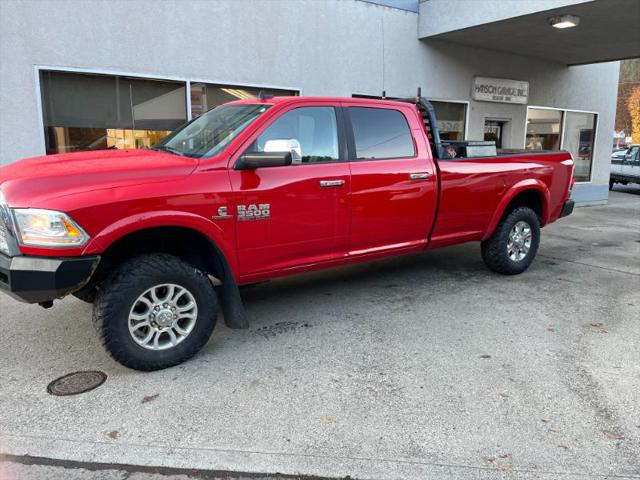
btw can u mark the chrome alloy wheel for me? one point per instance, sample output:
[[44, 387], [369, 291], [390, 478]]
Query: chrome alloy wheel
[[519, 243], [162, 317]]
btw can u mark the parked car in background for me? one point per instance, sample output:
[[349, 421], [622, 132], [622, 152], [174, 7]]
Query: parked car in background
[[625, 168]]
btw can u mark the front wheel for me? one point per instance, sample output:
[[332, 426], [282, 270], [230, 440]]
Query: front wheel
[[514, 243], [155, 311]]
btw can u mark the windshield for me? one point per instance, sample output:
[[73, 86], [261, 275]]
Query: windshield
[[208, 134]]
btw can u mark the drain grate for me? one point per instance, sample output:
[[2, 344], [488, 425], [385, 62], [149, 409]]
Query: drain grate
[[76, 382]]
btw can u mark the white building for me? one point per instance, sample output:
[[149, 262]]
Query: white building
[[80, 74]]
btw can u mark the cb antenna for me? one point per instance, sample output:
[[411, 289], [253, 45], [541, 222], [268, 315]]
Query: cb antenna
[[384, 94], [419, 95]]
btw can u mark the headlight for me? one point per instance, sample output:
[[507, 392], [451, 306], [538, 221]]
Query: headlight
[[47, 228]]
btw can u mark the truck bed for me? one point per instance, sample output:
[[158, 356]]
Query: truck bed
[[472, 190]]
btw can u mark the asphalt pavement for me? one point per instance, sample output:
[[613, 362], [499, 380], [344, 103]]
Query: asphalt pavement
[[425, 366]]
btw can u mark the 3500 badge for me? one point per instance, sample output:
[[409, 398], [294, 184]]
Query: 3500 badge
[[262, 211]]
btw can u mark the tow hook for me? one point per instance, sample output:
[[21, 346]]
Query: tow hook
[[47, 304]]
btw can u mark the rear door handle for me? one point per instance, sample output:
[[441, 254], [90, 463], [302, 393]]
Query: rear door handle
[[331, 183], [419, 175]]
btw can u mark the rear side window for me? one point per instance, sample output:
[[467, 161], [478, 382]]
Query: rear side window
[[381, 133]]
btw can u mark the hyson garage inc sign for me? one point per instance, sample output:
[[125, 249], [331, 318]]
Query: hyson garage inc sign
[[500, 90]]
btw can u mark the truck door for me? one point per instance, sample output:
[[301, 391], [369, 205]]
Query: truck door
[[394, 183], [293, 215]]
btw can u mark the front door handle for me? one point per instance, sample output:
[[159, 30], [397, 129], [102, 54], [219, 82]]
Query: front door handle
[[331, 183], [419, 175]]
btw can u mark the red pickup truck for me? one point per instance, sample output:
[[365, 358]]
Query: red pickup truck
[[253, 190]]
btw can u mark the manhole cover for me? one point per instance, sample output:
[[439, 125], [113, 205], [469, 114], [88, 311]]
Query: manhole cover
[[76, 382]]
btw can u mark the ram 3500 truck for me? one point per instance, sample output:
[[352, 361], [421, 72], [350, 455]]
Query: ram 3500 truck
[[252, 190]]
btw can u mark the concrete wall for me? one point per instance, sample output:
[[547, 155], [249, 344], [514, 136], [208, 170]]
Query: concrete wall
[[333, 47], [439, 16]]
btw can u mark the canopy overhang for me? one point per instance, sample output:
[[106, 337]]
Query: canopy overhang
[[608, 30]]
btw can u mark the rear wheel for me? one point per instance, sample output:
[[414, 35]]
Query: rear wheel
[[514, 243], [611, 182], [155, 311]]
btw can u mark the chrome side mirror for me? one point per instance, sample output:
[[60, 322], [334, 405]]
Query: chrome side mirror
[[285, 145]]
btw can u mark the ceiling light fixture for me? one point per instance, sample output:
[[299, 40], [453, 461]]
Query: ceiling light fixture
[[564, 21]]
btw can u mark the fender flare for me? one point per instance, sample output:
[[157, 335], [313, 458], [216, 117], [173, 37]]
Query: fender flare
[[161, 218], [519, 187], [228, 292]]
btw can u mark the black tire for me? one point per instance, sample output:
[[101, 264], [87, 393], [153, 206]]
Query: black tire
[[611, 182], [121, 290], [494, 249]]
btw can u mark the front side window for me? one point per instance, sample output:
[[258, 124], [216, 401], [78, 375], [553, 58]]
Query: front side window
[[310, 133], [380, 133]]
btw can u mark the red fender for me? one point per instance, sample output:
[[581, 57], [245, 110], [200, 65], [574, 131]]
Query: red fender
[[529, 184], [163, 218]]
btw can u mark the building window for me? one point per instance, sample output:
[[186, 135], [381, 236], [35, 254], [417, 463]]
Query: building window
[[380, 133], [579, 133], [450, 118], [87, 112], [205, 96], [553, 129], [543, 129], [84, 111]]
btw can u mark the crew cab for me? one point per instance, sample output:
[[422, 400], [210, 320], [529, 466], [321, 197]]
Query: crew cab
[[158, 239], [625, 168]]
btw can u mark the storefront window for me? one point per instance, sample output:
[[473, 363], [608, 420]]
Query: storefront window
[[450, 119], [91, 111], [543, 129], [578, 139], [205, 96], [87, 112]]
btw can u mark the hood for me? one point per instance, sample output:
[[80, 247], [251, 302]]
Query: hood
[[30, 182]]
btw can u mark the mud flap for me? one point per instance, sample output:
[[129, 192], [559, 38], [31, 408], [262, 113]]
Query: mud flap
[[233, 310]]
